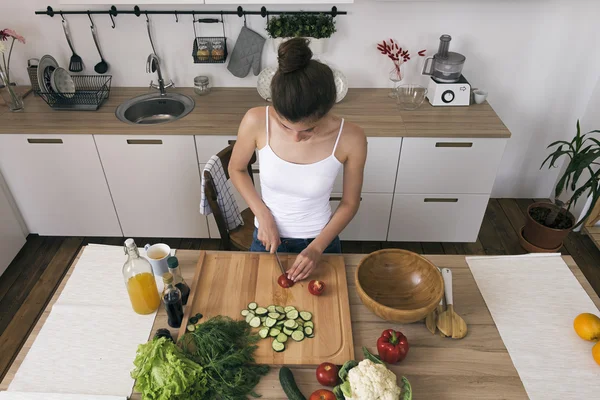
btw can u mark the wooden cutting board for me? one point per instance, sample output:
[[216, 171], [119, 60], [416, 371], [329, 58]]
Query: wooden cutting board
[[225, 282]]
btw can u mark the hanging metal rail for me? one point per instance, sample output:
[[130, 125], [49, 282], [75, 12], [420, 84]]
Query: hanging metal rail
[[240, 12]]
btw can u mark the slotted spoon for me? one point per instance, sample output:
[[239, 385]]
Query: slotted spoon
[[76, 63]]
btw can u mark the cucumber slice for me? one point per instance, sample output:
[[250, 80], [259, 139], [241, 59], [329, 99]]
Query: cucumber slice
[[300, 321], [271, 308], [298, 336], [249, 317], [282, 337], [263, 319], [263, 333], [280, 309], [290, 324], [281, 316], [308, 330], [274, 332], [273, 315], [309, 324], [279, 323], [245, 312], [270, 322], [288, 331], [289, 308], [292, 314], [310, 336], [252, 306], [191, 328], [260, 311], [295, 325], [255, 322], [278, 346], [305, 315]]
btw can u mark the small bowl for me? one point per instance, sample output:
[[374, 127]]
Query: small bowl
[[399, 285], [410, 97]]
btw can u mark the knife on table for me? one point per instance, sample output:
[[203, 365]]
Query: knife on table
[[283, 271]]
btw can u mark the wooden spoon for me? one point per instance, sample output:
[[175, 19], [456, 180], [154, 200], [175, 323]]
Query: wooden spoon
[[450, 323]]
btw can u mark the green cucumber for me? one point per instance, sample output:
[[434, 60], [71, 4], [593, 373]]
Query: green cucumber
[[273, 315], [245, 312], [263, 333], [249, 317], [290, 323], [280, 309], [406, 389], [288, 384], [281, 317], [308, 330], [298, 336], [270, 322], [300, 321], [292, 314], [278, 346], [282, 337], [252, 306], [288, 309], [271, 308], [260, 311], [279, 323], [309, 324], [305, 315], [274, 332], [288, 331], [254, 322]]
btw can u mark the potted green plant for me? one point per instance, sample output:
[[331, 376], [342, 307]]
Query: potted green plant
[[548, 224], [315, 27]]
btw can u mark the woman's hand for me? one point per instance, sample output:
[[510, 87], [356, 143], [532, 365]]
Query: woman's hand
[[305, 263], [268, 234]]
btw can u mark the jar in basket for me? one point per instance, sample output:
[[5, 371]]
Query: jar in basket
[[10, 95], [201, 85], [217, 53], [202, 53]]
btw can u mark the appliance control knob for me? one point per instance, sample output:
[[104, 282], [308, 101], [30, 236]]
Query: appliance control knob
[[448, 96]]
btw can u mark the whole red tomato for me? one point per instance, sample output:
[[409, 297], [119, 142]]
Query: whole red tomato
[[327, 374], [322, 394], [285, 282], [316, 287]]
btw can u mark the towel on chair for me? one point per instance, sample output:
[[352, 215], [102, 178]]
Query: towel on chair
[[225, 198]]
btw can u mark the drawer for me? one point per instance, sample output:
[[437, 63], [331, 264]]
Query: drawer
[[439, 165], [208, 146], [372, 219], [436, 218], [380, 168]]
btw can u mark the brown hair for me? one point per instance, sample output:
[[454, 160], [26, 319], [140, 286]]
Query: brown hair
[[302, 88]]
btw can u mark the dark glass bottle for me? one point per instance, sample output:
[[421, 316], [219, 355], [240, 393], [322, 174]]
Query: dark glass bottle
[[178, 281], [172, 299]]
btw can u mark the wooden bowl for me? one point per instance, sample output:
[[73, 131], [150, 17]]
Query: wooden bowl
[[399, 285]]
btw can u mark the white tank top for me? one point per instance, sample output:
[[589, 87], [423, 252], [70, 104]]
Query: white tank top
[[297, 194]]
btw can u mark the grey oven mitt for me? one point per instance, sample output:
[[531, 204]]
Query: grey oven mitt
[[247, 53]]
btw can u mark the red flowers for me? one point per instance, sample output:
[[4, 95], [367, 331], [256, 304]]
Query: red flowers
[[6, 33], [394, 52]]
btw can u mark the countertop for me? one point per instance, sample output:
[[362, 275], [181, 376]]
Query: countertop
[[221, 112], [476, 367]]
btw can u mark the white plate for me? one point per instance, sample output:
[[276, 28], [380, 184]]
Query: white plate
[[62, 83], [341, 85], [264, 82], [46, 66]]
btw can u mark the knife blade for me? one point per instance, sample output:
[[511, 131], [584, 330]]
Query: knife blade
[[279, 263]]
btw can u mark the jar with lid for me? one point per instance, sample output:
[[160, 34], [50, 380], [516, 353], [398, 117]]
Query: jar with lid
[[202, 53], [139, 280], [218, 52], [201, 85]]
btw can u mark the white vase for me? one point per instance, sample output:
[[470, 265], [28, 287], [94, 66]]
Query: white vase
[[317, 46]]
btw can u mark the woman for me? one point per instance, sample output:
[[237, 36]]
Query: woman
[[301, 147]]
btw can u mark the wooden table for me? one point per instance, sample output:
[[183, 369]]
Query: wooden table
[[476, 367]]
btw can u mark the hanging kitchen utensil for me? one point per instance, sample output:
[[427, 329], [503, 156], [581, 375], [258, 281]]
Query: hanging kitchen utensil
[[209, 49], [76, 63], [153, 62], [102, 66], [449, 323], [445, 66]]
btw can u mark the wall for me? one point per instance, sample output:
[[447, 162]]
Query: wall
[[537, 59]]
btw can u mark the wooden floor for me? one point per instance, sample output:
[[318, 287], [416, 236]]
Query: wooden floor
[[33, 276]]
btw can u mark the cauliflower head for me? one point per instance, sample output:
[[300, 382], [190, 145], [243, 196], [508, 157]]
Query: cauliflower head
[[370, 381]]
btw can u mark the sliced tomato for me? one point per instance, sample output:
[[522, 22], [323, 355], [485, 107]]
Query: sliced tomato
[[285, 282], [327, 374], [316, 287], [322, 394]]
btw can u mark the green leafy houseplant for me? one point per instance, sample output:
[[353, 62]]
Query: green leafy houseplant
[[583, 152], [318, 26]]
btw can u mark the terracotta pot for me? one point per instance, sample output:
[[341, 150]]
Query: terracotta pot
[[541, 236]]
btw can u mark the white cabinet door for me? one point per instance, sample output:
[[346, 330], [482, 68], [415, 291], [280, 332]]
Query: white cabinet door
[[436, 218], [12, 237], [372, 219], [443, 165], [380, 168], [155, 184], [58, 184]]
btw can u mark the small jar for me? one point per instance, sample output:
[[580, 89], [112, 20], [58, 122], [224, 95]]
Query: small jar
[[201, 85], [202, 53], [217, 53]]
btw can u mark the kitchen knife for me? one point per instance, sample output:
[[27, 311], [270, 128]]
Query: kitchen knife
[[279, 263]]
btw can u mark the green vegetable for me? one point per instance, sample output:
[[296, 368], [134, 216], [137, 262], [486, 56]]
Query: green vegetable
[[368, 355], [339, 395], [348, 365], [346, 389], [163, 372], [406, 389], [225, 348], [288, 384]]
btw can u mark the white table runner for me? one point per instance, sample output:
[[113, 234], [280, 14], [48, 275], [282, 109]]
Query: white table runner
[[88, 343], [53, 396], [533, 300]]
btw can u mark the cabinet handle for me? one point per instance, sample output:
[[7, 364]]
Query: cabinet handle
[[144, 141], [338, 198], [440, 200], [45, 141], [454, 144]]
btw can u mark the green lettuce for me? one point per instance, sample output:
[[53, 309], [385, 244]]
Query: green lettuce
[[163, 372]]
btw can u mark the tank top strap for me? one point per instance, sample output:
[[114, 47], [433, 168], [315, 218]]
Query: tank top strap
[[337, 139], [267, 125]]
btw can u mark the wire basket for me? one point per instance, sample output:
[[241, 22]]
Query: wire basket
[[91, 91], [209, 49]]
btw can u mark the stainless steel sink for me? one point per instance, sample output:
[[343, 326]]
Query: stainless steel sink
[[155, 108]]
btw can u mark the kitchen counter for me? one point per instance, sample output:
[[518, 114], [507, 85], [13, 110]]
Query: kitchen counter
[[476, 367], [221, 112]]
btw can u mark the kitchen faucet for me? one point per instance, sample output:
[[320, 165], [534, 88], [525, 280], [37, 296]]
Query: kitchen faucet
[[153, 64]]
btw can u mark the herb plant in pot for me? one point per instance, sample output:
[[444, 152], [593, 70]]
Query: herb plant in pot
[[548, 224], [315, 27]]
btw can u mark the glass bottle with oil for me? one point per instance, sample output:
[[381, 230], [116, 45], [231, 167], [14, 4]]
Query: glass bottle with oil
[[140, 281]]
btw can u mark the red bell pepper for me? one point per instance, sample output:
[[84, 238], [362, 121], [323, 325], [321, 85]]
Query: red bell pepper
[[392, 346]]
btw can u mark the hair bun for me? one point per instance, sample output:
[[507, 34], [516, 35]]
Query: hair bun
[[294, 55]]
